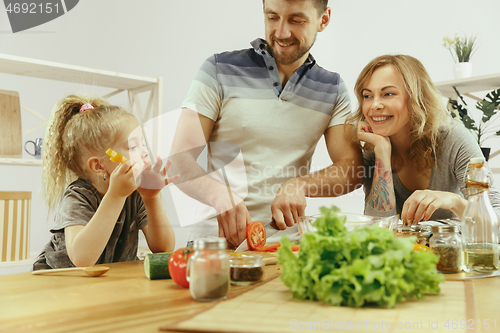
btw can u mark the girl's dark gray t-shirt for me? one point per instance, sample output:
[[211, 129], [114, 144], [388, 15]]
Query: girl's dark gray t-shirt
[[77, 206]]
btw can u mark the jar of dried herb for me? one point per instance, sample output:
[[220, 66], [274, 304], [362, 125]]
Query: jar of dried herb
[[447, 244], [246, 268]]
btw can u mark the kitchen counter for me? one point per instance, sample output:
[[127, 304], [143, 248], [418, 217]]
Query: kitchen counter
[[124, 300]]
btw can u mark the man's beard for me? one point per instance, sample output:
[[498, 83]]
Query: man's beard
[[289, 57]]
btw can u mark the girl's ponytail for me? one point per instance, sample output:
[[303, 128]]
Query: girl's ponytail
[[61, 163]]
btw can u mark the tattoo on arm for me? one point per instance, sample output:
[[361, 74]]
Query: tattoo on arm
[[382, 192]]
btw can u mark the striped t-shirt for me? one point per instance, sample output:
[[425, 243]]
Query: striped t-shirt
[[276, 128]]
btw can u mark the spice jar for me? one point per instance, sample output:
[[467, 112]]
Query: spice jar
[[208, 269], [447, 244], [422, 233], [246, 269]]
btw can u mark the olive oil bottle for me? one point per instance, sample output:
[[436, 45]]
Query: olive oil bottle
[[479, 221]]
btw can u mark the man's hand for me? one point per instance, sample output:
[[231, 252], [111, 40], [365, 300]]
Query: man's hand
[[289, 203], [233, 221]]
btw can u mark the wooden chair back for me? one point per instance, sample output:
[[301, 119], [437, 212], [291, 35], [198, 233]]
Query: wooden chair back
[[15, 208]]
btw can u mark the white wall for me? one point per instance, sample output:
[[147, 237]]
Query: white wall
[[172, 38]]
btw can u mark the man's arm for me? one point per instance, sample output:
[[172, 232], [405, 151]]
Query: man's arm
[[343, 176], [189, 142]]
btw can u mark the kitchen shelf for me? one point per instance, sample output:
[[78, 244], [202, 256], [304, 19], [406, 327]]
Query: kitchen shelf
[[469, 85], [20, 161], [133, 85], [70, 73]]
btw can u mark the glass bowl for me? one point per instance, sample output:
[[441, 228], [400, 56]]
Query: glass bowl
[[353, 221]]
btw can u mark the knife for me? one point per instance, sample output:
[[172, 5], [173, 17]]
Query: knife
[[271, 229]]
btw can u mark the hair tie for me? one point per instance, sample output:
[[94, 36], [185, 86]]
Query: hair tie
[[86, 107]]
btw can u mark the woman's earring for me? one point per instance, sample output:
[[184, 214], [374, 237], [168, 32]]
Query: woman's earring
[[104, 177]]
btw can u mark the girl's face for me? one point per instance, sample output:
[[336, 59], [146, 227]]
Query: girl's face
[[385, 103], [132, 145]]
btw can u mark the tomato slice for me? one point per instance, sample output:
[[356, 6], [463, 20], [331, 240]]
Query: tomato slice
[[269, 248], [256, 235], [295, 247]]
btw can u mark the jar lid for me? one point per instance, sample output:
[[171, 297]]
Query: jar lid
[[445, 228], [210, 243], [414, 230], [246, 260]]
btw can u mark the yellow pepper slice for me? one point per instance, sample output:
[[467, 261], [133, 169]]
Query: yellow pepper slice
[[115, 157], [420, 247]]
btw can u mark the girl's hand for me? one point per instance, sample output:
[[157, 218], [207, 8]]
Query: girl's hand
[[423, 203], [121, 181], [152, 180]]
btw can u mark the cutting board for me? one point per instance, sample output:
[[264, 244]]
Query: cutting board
[[270, 307], [10, 125]]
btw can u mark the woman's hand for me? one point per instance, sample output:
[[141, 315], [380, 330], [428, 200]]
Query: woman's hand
[[366, 134], [423, 203], [152, 180], [381, 196]]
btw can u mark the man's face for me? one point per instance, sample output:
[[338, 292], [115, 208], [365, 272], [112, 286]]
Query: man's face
[[291, 28]]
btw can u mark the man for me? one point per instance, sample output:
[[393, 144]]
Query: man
[[275, 103]]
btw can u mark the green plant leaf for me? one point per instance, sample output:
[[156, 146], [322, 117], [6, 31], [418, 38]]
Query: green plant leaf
[[489, 105], [468, 122]]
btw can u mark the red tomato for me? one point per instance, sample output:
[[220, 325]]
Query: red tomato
[[269, 248], [256, 235], [177, 265], [295, 247]]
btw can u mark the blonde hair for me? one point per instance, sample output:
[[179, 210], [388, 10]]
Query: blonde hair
[[73, 136], [426, 109]]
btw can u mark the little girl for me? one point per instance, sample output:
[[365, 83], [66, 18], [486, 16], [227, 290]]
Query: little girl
[[100, 212]]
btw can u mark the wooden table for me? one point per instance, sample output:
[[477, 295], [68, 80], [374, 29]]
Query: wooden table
[[124, 300]]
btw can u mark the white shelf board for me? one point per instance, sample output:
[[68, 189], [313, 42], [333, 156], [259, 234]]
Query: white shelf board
[[70, 73], [20, 161], [468, 85]]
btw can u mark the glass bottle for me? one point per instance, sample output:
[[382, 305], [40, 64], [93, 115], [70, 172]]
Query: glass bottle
[[447, 244], [208, 269], [479, 221]]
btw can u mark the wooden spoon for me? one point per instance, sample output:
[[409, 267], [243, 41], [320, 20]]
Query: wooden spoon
[[92, 271]]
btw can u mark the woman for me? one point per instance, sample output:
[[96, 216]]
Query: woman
[[415, 157]]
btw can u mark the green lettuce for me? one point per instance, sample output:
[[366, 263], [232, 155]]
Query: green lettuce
[[353, 268]]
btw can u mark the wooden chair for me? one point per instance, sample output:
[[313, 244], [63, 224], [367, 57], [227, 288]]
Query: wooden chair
[[15, 208]]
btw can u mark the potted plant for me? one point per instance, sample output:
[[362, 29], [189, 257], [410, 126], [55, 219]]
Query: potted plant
[[461, 50], [489, 107]]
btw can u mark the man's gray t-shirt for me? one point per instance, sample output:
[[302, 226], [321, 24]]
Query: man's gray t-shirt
[[78, 205]]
